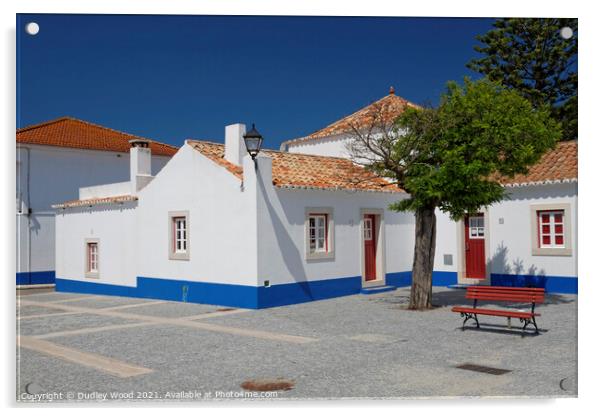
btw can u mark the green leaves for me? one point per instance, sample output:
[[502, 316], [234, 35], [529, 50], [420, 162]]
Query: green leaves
[[530, 56], [448, 157]]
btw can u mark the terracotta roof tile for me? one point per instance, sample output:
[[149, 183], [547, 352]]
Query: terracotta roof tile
[[79, 134], [215, 152], [295, 170], [388, 107], [96, 201], [557, 165]]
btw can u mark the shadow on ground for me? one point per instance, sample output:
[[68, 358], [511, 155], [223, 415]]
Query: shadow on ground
[[454, 297]]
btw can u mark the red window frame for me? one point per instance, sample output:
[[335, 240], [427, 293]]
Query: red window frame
[[551, 226], [325, 216]]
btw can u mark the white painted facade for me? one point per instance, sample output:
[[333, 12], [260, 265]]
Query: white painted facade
[[46, 175], [247, 240], [242, 234], [326, 146], [509, 227]]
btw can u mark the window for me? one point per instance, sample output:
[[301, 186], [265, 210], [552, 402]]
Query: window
[[92, 259], [179, 240], [476, 227], [318, 236], [551, 228], [179, 235], [319, 233], [368, 229]]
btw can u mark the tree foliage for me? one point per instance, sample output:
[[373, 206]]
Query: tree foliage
[[531, 56], [451, 157]]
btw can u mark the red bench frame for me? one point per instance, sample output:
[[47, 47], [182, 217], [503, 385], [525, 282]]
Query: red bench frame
[[502, 294]]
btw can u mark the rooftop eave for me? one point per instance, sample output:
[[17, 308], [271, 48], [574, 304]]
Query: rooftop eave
[[538, 183], [97, 201], [339, 188]]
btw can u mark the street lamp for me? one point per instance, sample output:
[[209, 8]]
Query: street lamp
[[253, 142]]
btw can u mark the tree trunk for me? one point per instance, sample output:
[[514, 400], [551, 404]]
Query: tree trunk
[[424, 258]]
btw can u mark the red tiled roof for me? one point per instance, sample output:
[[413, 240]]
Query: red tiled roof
[[557, 165], [96, 201], [295, 170], [79, 134], [387, 108]]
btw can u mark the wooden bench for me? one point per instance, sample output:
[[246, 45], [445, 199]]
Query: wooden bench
[[502, 294]]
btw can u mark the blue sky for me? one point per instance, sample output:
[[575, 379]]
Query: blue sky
[[171, 78]]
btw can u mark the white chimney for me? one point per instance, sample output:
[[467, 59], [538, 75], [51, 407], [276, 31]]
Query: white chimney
[[140, 164], [235, 144]]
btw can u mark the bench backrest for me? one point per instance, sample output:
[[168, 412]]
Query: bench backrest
[[508, 294]]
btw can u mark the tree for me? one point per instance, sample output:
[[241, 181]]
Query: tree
[[449, 157], [531, 56]]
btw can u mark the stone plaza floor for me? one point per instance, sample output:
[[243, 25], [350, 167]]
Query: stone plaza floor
[[77, 347]]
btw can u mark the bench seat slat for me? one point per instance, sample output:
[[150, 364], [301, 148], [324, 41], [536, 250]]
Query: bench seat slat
[[509, 288], [508, 298], [494, 312]]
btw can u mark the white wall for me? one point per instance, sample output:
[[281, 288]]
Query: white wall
[[221, 222], [509, 245], [48, 175], [115, 228], [327, 146], [282, 257]]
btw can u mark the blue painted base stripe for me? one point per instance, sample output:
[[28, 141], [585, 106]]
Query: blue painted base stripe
[[399, 279], [279, 295], [252, 297], [36, 278], [239, 296], [552, 284], [444, 278], [440, 278]]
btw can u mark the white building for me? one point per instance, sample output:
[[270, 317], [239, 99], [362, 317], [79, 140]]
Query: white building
[[212, 227], [506, 244], [55, 159], [299, 225]]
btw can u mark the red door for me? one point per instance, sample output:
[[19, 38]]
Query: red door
[[474, 238], [370, 246]]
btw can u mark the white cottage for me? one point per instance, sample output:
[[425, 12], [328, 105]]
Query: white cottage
[[215, 227], [53, 160], [301, 224], [530, 239]]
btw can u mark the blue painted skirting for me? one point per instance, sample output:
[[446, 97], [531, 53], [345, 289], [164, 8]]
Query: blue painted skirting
[[401, 279], [35, 278], [552, 284], [240, 296], [252, 297]]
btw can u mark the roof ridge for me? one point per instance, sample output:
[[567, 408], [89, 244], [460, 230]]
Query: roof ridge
[[272, 150], [355, 113], [44, 123], [91, 124]]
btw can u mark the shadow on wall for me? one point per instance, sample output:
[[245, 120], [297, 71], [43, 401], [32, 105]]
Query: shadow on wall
[[294, 262], [512, 272]]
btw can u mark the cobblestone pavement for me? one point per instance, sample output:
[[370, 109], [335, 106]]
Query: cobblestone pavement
[[95, 348]]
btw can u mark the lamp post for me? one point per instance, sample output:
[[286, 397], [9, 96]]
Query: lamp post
[[253, 141]]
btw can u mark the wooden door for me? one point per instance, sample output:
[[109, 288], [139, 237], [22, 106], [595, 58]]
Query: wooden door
[[369, 234], [474, 239]]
